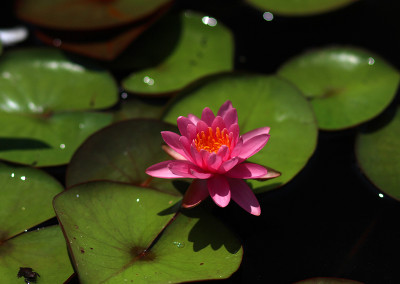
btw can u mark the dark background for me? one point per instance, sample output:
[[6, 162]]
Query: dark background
[[329, 220]]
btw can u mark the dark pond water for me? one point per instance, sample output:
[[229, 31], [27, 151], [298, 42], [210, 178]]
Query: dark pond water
[[328, 221]]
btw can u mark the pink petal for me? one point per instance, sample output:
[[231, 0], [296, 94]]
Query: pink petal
[[172, 153], [218, 122], [270, 174], [181, 168], [247, 170], [195, 194], [238, 147], [183, 123], [224, 108], [202, 126], [218, 187], [252, 146], [234, 134], [161, 170], [214, 162], [172, 139], [191, 132], [207, 116], [193, 118], [255, 132], [230, 117], [201, 175], [186, 148], [244, 196], [228, 165], [223, 152], [198, 159]]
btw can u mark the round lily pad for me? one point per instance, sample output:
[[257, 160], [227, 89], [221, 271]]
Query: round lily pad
[[86, 15], [299, 8], [260, 101], [346, 86], [26, 195], [378, 153], [122, 152], [114, 235], [204, 47], [42, 98], [43, 251]]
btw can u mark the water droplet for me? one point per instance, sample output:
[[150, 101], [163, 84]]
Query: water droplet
[[77, 196], [12, 175], [23, 178], [124, 95], [381, 195], [371, 61], [209, 21], [137, 200], [22, 208], [179, 244], [81, 125], [149, 81], [62, 146], [268, 16], [57, 42]]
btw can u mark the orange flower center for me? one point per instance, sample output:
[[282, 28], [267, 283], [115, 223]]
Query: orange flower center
[[211, 141]]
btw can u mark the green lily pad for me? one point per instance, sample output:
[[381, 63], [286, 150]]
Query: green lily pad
[[86, 15], [139, 108], [122, 152], [43, 250], [204, 47], [378, 153], [41, 91], [346, 86], [299, 8], [260, 101], [112, 231], [26, 195]]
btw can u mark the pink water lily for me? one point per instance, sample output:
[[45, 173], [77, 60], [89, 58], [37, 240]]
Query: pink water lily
[[211, 151]]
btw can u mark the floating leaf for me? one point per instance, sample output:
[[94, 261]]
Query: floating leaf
[[86, 15], [299, 8], [139, 108], [112, 231], [40, 90], [43, 250], [346, 86], [204, 47], [103, 49], [260, 101], [26, 195], [378, 153], [122, 152]]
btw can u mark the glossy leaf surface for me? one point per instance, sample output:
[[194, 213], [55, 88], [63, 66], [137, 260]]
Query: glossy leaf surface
[[346, 86], [122, 152], [26, 195], [204, 47], [43, 250], [110, 228], [260, 101], [85, 15], [378, 153], [40, 93], [299, 8]]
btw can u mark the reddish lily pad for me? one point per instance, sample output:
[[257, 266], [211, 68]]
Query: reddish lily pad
[[346, 86], [112, 231], [122, 152], [204, 47], [43, 250], [43, 95], [86, 14], [378, 153], [104, 49], [260, 101], [299, 8]]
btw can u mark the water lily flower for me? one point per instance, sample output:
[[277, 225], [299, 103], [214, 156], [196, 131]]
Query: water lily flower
[[211, 151]]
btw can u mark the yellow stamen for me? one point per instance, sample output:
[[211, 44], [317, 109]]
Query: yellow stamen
[[212, 141]]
